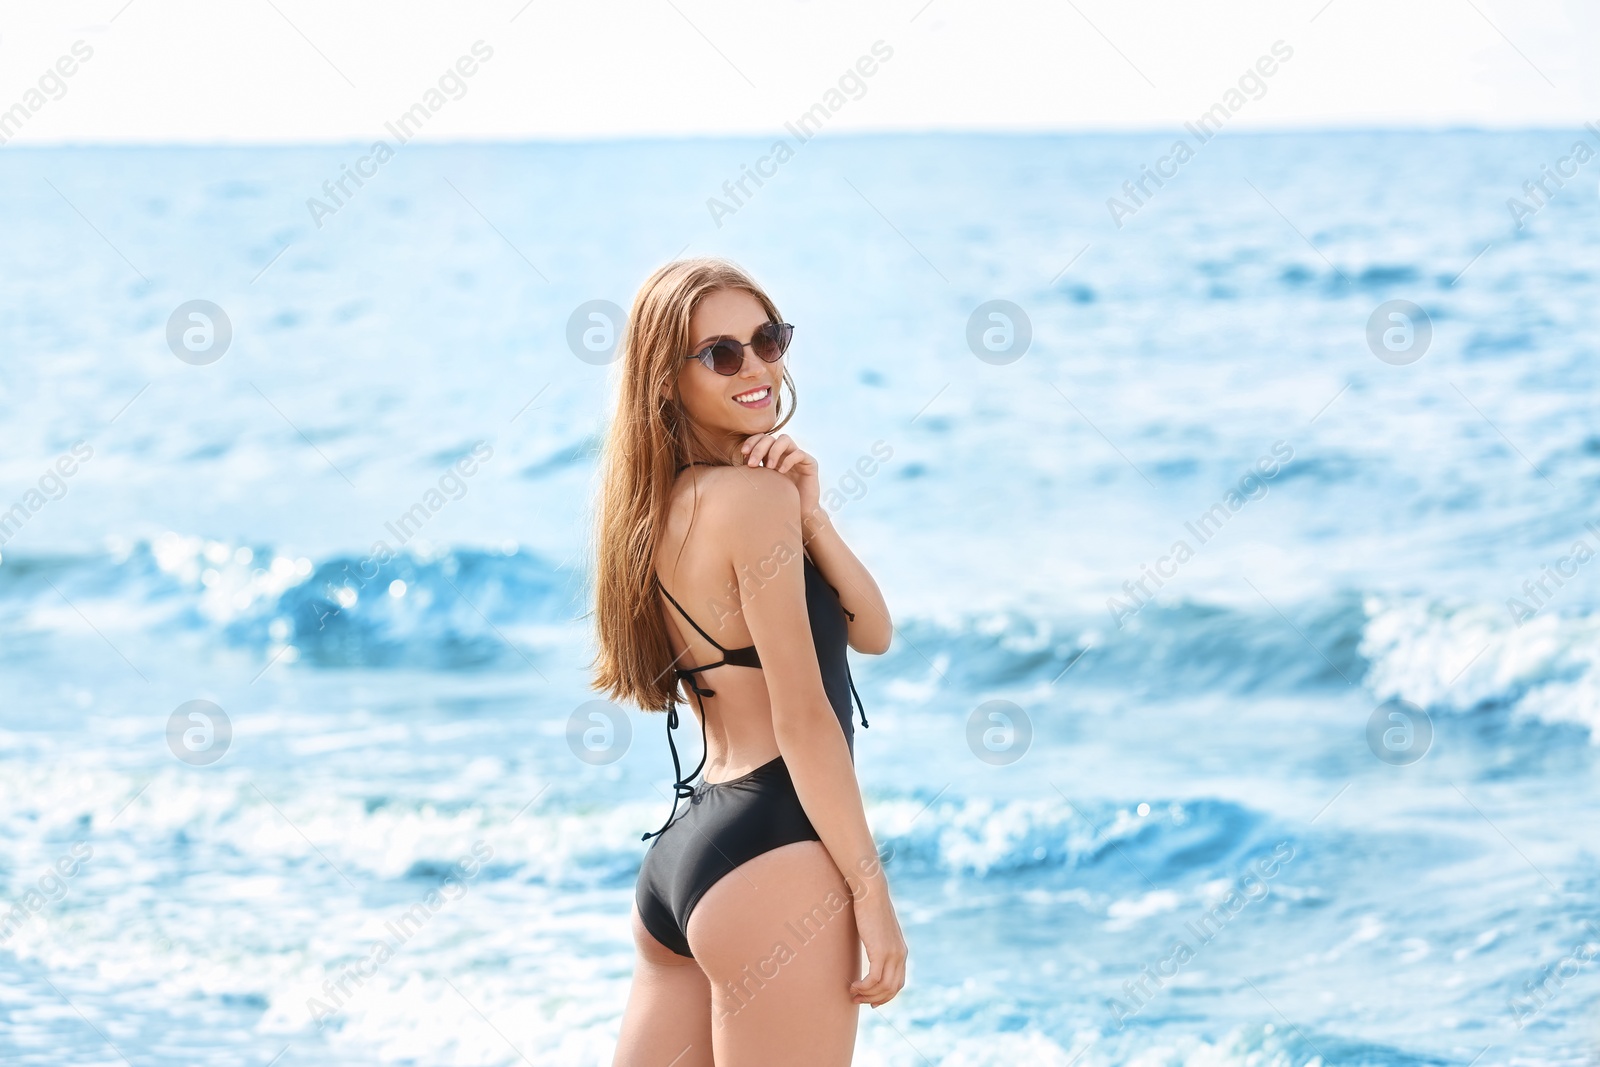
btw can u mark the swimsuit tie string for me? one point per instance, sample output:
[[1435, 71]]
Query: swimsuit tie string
[[682, 789], [859, 704]]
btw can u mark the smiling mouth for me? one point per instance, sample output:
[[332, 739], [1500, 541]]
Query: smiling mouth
[[755, 397]]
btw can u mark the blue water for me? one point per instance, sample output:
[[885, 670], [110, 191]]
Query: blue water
[[383, 727]]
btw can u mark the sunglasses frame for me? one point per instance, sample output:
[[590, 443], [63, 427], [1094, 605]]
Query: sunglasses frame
[[708, 354]]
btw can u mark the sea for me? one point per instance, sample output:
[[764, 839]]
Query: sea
[[1238, 525]]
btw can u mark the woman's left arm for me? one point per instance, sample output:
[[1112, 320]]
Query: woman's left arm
[[871, 628]]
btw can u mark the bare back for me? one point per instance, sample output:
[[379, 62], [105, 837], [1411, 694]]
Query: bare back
[[694, 561]]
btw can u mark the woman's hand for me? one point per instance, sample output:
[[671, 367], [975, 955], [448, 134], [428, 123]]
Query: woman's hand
[[781, 454], [879, 930]]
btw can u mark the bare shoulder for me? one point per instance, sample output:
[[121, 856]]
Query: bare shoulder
[[749, 493], [749, 499]]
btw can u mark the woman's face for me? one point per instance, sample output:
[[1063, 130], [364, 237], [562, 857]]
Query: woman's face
[[709, 397]]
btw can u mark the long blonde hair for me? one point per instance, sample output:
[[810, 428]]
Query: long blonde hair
[[649, 437]]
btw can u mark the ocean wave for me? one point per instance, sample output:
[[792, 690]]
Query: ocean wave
[[1104, 846], [446, 608], [1191, 646], [428, 606], [1109, 846], [1465, 657], [1265, 1044], [1446, 656]]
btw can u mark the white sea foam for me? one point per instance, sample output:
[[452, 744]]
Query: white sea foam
[[1456, 657]]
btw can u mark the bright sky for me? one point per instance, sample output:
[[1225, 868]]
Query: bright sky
[[298, 70]]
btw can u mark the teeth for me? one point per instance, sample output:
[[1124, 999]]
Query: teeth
[[754, 394]]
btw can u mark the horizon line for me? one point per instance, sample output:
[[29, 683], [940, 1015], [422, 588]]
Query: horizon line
[[642, 138]]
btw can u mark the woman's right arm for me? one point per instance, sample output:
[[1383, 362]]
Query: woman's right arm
[[762, 522]]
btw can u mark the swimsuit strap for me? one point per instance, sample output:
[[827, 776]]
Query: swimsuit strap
[[691, 621], [681, 787], [738, 657]]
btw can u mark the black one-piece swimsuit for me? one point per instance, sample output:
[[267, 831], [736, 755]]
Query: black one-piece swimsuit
[[730, 823]]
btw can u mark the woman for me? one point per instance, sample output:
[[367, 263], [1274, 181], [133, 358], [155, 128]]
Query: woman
[[757, 896]]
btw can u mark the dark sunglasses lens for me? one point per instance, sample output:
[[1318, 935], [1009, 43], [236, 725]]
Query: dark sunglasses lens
[[727, 357], [772, 340]]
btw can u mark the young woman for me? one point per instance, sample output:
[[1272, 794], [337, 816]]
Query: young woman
[[718, 568]]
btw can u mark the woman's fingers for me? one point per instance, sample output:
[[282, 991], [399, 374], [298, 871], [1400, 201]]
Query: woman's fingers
[[893, 979], [885, 978], [781, 446], [871, 978], [770, 451], [873, 1000], [887, 991], [898, 983], [794, 458], [763, 444]]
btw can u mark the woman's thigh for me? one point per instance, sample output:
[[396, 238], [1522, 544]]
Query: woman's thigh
[[780, 948], [667, 1022]]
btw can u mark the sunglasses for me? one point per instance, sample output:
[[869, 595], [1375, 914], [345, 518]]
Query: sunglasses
[[726, 356]]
